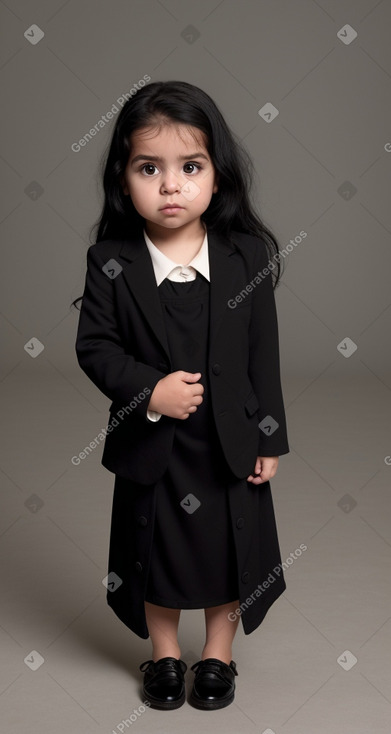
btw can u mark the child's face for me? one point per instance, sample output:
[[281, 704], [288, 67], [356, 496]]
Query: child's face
[[167, 171]]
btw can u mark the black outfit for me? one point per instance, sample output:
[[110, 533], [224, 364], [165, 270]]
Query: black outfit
[[122, 346], [193, 561]]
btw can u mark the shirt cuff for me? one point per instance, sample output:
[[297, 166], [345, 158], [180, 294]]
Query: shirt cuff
[[152, 415]]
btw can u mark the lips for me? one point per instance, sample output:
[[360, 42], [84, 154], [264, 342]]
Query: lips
[[172, 206]]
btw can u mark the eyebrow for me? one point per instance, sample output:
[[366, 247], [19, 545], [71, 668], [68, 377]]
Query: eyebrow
[[142, 157]]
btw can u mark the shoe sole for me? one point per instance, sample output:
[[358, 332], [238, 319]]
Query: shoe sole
[[164, 705], [203, 704]]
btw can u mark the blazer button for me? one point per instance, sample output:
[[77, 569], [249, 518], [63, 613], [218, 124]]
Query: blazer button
[[138, 566], [216, 369], [240, 522], [142, 520], [163, 366], [245, 577]]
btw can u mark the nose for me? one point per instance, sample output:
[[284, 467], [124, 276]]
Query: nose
[[170, 182]]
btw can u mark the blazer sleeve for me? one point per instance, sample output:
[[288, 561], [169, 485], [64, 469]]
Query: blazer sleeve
[[264, 360], [99, 348]]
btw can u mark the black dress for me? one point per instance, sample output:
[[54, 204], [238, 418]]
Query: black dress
[[193, 559]]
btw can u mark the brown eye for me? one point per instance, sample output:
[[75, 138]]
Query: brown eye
[[197, 165], [148, 166]]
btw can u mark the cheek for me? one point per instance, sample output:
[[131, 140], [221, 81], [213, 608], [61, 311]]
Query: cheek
[[140, 190], [206, 186]]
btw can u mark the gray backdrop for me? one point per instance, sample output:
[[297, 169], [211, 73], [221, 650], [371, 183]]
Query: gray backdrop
[[322, 68]]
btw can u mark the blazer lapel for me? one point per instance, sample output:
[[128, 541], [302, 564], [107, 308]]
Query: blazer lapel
[[140, 278]]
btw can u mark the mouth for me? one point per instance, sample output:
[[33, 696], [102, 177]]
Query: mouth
[[171, 207]]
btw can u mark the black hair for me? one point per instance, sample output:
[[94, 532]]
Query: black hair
[[161, 103]]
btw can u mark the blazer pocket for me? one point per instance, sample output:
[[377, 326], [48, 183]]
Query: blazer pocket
[[251, 405]]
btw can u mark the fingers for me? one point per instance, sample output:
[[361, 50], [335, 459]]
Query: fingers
[[256, 480], [194, 405], [265, 468], [189, 376], [197, 399], [195, 402]]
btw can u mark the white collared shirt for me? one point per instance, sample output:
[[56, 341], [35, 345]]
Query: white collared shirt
[[165, 268]]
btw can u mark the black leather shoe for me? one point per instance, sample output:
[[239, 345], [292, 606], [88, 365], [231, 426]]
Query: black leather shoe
[[214, 684], [164, 683]]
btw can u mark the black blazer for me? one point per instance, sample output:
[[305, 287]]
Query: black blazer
[[122, 347]]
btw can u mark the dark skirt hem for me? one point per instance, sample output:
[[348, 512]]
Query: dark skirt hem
[[188, 605]]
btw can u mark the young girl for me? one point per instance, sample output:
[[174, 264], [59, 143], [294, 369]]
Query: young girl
[[178, 328]]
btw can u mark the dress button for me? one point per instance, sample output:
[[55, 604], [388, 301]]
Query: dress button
[[245, 577], [240, 522], [142, 520], [138, 566], [216, 369]]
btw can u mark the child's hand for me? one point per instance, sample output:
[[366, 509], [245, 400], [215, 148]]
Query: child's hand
[[173, 396], [266, 467]]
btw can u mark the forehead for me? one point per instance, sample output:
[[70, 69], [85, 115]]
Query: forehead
[[177, 133]]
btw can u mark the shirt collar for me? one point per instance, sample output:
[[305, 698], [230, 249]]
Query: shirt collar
[[163, 266]]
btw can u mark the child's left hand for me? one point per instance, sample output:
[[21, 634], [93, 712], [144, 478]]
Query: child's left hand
[[265, 469]]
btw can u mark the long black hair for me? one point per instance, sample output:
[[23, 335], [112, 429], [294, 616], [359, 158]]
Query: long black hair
[[180, 102]]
